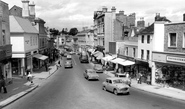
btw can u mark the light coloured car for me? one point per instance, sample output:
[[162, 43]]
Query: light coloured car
[[98, 68], [68, 64], [125, 79], [115, 85], [91, 74]]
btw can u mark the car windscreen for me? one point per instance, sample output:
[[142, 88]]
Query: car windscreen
[[121, 75], [91, 72], [117, 81]]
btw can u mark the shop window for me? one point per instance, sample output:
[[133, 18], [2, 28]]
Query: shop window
[[148, 55], [142, 54], [126, 33], [172, 42], [148, 39], [142, 38]]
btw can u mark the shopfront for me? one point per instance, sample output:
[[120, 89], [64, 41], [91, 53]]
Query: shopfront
[[169, 68]]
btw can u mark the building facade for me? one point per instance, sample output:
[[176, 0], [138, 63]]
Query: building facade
[[5, 45], [168, 63], [109, 25], [24, 40]]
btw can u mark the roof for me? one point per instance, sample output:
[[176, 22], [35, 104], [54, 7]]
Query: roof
[[148, 30], [21, 25]]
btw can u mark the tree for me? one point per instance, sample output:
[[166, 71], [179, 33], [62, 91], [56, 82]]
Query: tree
[[54, 32], [73, 31]]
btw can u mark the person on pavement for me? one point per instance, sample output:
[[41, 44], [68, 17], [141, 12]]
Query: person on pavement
[[30, 77], [3, 84]]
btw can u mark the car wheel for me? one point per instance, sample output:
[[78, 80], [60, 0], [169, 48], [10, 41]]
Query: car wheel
[[87, 78], [128, 93], [115, 92], [104, 88]]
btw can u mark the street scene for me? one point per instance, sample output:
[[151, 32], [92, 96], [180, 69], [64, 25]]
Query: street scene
[[118, 61]]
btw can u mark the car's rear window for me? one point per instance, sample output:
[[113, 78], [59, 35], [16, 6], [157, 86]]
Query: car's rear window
[[121, 75], [118, 81]]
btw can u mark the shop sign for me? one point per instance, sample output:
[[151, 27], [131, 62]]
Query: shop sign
[[176, 59], [159, 57]]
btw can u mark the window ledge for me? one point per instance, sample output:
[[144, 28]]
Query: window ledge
[[172, 47]]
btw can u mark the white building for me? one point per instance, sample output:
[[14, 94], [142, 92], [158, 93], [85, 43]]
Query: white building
[[24, 40]]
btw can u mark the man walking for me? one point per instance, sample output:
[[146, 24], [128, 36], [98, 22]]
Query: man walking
[[3, 84]]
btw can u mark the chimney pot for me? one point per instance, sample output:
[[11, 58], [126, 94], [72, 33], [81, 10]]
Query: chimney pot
[[113, 9]]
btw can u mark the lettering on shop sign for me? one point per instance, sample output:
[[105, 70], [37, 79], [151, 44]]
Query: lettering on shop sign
[[176, 59]]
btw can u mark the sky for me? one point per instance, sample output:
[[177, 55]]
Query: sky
[[69, 14]]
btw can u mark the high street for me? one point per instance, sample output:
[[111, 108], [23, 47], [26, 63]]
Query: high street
[[67, 89]]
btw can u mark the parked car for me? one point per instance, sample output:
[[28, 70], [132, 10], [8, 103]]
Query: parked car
[[91, 74], [84, 57], [124, 78], [115, 85], [98, 68]]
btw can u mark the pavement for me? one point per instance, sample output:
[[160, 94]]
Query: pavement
[[21, 86]]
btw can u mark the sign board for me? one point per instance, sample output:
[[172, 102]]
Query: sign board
[[159, 57], [176, 59]]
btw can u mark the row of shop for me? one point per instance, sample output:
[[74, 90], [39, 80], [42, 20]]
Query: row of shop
[[165, 68]]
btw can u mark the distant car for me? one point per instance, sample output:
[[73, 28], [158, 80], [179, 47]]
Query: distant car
[[68, 64], [98, 68], [124, 78], [115, 85], [72, 53], [84, 57], [91, 74]]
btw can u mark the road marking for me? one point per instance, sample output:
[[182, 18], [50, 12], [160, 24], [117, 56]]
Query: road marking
[[16, 88]]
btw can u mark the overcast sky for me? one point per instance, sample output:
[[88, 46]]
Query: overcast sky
[[79, 13]]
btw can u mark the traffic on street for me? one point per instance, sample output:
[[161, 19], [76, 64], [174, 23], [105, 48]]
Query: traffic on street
[[68, 89]]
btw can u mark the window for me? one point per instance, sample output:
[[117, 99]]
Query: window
[[142, 38], [148, 54], [148, 39], [126, 51], [142, 53], [172, 40], [126, 33], [4, 38], [134, 52], [31, 40], [183, 41]]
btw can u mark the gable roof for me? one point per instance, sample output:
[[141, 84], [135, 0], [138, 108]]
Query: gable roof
[[84, 32], [21, 25], [148, 30]]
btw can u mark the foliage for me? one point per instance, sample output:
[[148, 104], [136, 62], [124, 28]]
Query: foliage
[[73, 31], [54, 32]]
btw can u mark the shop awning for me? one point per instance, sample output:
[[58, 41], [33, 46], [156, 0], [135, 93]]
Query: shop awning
[[41, 57], [97, 53], [109, 57], [126, 63], [117, 60], [100, 55]]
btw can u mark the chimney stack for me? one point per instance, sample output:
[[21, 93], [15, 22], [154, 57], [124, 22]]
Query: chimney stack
[[113, 9], [104, 9], [32, 10], [25, 8], [121, 12]]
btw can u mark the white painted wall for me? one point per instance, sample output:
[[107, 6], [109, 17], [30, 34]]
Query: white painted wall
[[158, 39], [17, 44], [33, 42], [108, 37], [145, 46]]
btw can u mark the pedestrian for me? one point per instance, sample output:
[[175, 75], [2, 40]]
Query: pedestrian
[[30, 77], [3, 84], [46, 66], [139, 78], [59, 63]]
